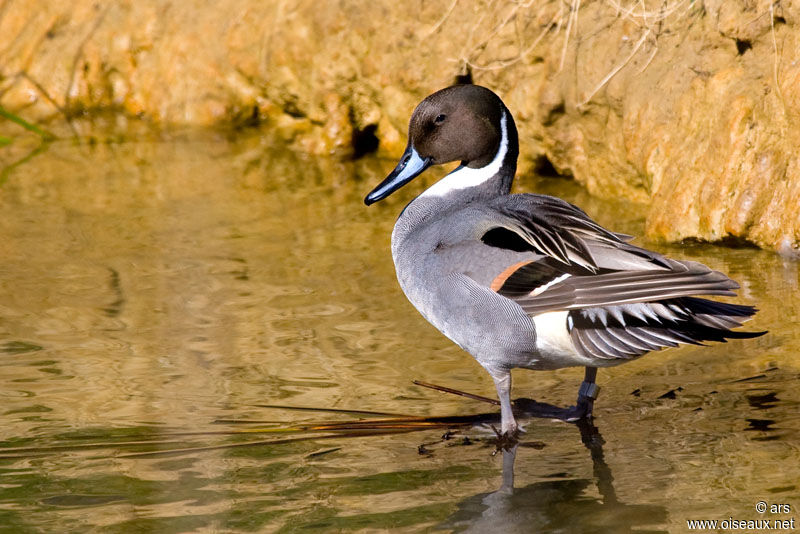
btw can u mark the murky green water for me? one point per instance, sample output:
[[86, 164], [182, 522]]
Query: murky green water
[[150, 289]]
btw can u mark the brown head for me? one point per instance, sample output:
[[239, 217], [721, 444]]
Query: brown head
[[459, 123]]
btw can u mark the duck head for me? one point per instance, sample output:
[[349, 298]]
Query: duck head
[[466, 123]]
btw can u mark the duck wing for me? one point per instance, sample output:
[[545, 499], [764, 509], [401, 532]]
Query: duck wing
[[614, 315], [563, 260], [629, 331], [543, 286], [557, 229]]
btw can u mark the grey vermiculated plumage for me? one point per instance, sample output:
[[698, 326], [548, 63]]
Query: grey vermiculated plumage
[[529, 280]]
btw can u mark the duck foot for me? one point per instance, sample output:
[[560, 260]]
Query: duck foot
[[506, 441]]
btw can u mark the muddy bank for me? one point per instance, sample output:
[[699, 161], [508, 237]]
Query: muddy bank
[[688, 107]]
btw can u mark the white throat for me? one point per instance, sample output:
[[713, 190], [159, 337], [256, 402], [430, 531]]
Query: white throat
[[465, 177]]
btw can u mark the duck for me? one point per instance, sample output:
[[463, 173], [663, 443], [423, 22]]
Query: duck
[[527, 280]]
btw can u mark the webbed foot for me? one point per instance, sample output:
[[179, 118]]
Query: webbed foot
[[509, 439]]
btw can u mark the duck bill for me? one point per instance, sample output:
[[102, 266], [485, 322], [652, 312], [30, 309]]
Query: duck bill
[[411, 165]]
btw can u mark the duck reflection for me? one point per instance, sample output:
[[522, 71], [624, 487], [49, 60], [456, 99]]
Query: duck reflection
[[558, 505]]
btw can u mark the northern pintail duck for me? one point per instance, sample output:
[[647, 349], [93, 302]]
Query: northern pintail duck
[[529, 280]]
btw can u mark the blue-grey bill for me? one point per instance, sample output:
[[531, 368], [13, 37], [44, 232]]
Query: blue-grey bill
[[410, 166]]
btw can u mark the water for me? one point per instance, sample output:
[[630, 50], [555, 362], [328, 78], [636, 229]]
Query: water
[[151, 289]]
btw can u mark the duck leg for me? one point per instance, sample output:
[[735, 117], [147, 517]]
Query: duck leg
[[587, 394], [502, 381]]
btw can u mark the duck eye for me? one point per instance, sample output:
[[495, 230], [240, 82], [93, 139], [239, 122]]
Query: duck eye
[[440, 119]]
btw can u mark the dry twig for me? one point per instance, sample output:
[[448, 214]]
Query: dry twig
[[614, 71]]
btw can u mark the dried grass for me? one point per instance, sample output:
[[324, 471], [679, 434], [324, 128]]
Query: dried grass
[[776, 56]]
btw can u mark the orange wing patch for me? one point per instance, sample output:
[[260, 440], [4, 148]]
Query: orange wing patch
[[501, 278]]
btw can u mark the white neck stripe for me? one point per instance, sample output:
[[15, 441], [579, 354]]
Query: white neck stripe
[[465, 177]]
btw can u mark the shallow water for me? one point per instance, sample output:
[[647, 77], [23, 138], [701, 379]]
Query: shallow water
[[150, 289]]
